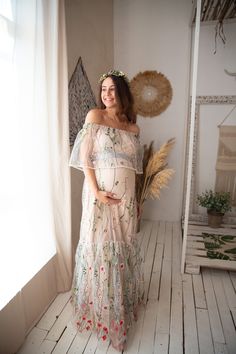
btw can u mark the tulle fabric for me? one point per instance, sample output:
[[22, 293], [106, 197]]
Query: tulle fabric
[[108, 279], [100, 146]]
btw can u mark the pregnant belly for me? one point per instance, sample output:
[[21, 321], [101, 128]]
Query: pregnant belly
[[120, 181]]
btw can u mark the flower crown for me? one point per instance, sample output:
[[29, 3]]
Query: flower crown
[[114, 73]]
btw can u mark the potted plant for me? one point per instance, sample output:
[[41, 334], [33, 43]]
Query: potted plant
[[217, 204]]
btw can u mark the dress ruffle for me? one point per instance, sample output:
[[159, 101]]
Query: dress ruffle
[[99, 146], [110, 306]]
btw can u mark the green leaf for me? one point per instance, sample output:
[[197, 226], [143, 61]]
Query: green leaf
[[231, 250]]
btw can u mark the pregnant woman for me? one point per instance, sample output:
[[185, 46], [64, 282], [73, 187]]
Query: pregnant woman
[[108, 282]]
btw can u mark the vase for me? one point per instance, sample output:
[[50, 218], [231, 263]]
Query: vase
[[214, 218]]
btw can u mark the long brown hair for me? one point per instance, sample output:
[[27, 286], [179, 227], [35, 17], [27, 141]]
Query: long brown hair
[[124, 97]]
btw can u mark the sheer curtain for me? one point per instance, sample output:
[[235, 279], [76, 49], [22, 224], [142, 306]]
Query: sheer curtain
[[34, 144]]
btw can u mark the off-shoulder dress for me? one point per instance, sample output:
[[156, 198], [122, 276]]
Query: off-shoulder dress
[[108, 280]]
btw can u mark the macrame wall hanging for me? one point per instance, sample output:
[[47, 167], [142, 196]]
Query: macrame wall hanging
[[226, 159], [81, 99], [152, 93]]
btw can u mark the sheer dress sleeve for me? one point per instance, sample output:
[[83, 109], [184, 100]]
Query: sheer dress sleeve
[[98, 146], [82, 151]]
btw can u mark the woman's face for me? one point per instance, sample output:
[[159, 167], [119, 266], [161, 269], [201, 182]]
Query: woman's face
[[108, 93]]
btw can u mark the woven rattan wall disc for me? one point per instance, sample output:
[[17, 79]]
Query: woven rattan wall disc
[[152, 93]]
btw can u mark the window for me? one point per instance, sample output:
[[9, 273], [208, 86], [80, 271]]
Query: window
[[26, 222]]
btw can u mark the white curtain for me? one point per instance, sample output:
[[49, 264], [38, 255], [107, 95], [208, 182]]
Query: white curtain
[[34, 144], [58, 119]]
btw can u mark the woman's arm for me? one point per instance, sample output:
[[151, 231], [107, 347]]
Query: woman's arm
[[94, 116], [102, 196]]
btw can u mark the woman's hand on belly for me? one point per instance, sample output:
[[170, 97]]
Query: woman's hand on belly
[[107, 198]]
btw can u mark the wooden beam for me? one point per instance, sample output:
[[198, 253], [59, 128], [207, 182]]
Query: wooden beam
[[191, 136]]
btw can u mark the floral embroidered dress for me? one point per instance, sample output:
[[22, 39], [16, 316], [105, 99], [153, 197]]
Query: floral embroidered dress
[[108, 282]]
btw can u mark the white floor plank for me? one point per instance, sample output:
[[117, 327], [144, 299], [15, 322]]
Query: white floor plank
[[135, 334], [92, 344], [233, 313], [65, 341], [146, 238], [163, 314], [226, 319], [156, 273], [33, 341], [176, 256], [102, 347], [53, 312], [168, 242], [199, 294], [176, 243], [215, 322], [46, 347], [176, 322], [146, 227], [161, 343], [148, 330], [176, 316], [220, 348], [79, 343], [190, 327], [229, 289], [233, 279], [161, 232], [204, 332], [61, 323], [149, 261]]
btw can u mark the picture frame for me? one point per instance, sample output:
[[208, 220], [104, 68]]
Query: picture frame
[[205, 103]]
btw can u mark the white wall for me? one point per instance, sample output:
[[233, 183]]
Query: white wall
[[212, 80], [156, 35], [89, 27]]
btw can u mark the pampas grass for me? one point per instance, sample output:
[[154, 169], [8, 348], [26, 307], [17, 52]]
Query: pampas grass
[[155, 175]]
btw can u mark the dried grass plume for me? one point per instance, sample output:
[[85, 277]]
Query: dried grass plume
[[156, 174]]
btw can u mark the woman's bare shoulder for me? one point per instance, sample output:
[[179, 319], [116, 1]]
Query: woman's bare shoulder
[[134, 128], [94, 116]]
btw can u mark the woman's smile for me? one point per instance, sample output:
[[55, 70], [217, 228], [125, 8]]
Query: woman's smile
[[108, 94]]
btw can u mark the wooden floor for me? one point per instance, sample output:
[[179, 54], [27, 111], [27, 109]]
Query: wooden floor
[[183, 313]]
